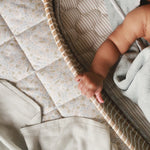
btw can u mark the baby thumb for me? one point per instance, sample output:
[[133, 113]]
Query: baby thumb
[[98, 96]]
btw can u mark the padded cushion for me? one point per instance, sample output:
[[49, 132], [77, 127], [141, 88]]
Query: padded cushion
[[86, 24], [30, 59]]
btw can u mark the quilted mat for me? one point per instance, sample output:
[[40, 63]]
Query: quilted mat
[[29, 58]]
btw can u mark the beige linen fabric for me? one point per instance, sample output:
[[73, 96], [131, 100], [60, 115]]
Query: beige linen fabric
[[68, 134], [16, 111]]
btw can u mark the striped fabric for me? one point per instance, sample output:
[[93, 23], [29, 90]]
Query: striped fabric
[[109, 110]]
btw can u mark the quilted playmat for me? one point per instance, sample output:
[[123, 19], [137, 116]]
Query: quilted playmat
[[44, 68]]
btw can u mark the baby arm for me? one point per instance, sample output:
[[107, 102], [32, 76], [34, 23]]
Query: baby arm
[[133, 27]]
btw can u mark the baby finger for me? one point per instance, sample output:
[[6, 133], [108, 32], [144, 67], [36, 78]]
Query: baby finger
[[80, 85]]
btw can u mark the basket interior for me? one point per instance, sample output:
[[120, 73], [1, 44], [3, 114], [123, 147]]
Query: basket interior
[[85, 25]]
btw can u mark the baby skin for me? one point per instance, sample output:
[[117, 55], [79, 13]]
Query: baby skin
[[135, 25]]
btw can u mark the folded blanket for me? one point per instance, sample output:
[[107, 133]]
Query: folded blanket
[[16, 111], [73, 133], [20, 114], [133, 78]]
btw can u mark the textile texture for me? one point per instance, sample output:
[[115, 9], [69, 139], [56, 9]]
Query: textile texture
[[68, 15], [133, 79], [29, 59]]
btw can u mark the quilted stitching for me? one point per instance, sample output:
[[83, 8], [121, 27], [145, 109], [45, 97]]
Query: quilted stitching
[[38, 45], [29, 58], [83, 22], [21, 15]]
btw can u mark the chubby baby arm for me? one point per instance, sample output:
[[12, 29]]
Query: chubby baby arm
[[91, 82], [133, 27]]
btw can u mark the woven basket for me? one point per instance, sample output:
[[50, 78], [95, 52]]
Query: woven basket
[[111, 113]]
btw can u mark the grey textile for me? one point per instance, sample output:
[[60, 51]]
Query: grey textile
[[133, 78], [130, 109]]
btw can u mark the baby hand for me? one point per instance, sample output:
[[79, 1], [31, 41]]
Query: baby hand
[[90, 84]]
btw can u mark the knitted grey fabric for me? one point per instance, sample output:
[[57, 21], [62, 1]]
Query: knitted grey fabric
[[134, 81]]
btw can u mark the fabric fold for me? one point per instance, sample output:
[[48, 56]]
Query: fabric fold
[[16, 111], [134, 79], [68, 133]]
